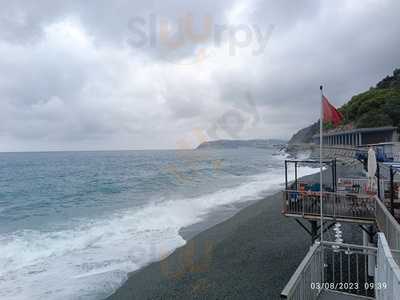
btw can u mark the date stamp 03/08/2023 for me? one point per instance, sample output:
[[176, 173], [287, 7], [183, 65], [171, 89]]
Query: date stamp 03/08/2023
[[348, 285]]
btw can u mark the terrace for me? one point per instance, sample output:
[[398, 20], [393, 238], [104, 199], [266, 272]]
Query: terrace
[[345, 271]]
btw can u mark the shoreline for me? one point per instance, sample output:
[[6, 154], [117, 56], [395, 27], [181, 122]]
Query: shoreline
[[192, 260], [213, 219], [233, 258]]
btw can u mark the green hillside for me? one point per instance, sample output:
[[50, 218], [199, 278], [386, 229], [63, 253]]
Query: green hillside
[[380, 106]]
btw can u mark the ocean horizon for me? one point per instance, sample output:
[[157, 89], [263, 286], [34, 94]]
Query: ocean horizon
[[74, 224]]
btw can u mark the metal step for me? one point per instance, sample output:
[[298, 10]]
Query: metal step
[[334, 295]]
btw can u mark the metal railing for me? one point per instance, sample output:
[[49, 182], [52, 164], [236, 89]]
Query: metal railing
[[335, 205], [333, 266], [308, 272], [356, 185], [349, 268], [385, 189], [389, 226], [387, 275], [341, 151]]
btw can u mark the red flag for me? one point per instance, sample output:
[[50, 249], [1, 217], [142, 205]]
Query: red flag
[[331, 115]]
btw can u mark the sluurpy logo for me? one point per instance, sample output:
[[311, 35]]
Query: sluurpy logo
[[180, 41], [231, 124], [234, 121]]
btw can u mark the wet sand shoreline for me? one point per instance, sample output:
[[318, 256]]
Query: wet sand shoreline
[[251, 255]]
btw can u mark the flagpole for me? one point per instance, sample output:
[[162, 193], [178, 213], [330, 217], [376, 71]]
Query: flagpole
[[321, 121]]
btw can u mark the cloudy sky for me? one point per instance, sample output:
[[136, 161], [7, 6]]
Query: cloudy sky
[[123, 74]]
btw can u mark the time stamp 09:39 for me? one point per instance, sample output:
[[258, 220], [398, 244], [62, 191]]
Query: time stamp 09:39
[[348, 285]]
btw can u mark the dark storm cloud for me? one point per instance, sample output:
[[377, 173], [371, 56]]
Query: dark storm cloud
[[346, 50], [71, 78]]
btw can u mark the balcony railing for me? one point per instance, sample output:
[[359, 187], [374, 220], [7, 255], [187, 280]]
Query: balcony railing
[[339, 206], [389, 226], [309, 272], [356, 185], [387, 279], [333, 266], [349, 268]]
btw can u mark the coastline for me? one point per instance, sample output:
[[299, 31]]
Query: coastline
[[251, 254]]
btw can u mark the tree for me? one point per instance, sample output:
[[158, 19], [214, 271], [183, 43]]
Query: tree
[[392, 109]]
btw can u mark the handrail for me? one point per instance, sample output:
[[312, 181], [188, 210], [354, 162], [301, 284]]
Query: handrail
[[353, 246], [387, 224], [388, 272], [348, 268], [333, 266], [298, 278], [339, 193]]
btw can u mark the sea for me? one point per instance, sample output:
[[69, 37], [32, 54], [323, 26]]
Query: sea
[[74, 224]]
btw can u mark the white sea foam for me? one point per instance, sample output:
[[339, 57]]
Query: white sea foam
[[91, 260]]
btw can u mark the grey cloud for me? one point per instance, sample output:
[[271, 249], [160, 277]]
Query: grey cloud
[[59, 92], [344, 52]]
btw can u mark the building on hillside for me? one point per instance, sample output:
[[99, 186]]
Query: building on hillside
[[359, 137]]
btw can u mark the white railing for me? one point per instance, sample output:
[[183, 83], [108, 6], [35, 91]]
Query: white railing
[[349, 268], [309, 271], [332, 266], [387, 274], [388, 225]]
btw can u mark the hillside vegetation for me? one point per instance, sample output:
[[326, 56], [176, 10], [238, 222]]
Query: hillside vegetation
[[380, 106]]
